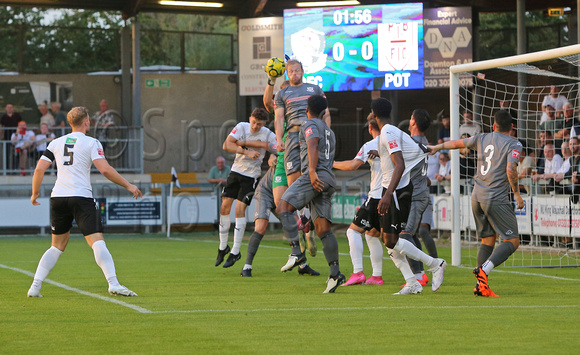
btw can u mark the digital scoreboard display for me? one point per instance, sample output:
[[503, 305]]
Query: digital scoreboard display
[[355, 48]]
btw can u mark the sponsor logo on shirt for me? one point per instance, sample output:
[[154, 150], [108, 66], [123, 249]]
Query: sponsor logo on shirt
[[308, 132], [100, 151], [310, 89], [71, 140], [360, 153], [393, 144], [234, 130], [515, 154]]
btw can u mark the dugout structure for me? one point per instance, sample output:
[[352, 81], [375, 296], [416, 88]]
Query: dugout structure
[[522, 81]]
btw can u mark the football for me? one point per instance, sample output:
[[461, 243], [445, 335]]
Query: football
[[275, 67]]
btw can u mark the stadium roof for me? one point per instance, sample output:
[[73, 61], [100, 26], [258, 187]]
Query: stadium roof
[[258, 8]]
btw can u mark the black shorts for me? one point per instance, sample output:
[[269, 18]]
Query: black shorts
[[240, 187], [395, 220], [367, 216], [84, 210]]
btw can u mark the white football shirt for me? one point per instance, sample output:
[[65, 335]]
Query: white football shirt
[[376, 188], [394, 140], [243, 164], [74, 154]]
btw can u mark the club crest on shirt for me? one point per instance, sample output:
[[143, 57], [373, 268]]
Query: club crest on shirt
[[234, 130], [308, 131], [515, 154], [393, 144], [310, 89], [360, 153]]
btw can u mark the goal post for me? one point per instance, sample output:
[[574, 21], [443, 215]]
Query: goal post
[[460, 75]]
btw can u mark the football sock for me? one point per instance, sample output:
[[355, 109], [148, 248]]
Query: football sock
[[225, 222], [407, 248], [500, 254], [376, 250], [46, 263], [428, 241], [355, 244], [306, 212], [290, 227], [330, 250], [484, 253], [253, 245], [239, 230], [416, 266], [247, 267], [402, 264], [105, 261], [487, 267]]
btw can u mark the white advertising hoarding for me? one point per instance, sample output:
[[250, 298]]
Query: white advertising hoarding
[[260, 39]]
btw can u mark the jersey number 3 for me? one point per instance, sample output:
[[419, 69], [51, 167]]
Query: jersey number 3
[[488, 154], [68, 154]]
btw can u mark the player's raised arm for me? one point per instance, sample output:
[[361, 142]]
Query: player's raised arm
[[456, 144], [110, 173]]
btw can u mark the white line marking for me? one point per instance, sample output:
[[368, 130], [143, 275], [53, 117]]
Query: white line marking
[[68, 288], [361, 308]]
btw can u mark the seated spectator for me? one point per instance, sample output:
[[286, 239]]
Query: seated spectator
[[569, 166], [23, 141], [569, 121], [42, 139], [444, 133], [555, 100], [46, 116], [469, 127], [444, 171], [218, 174], [552, 164], [525, 167], [551, 124]]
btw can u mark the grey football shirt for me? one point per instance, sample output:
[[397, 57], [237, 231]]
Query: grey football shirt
[[419, 172], [494, 150], [316, 128], [294, 99]]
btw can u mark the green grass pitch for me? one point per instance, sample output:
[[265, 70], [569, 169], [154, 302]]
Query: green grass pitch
[[186, 305]]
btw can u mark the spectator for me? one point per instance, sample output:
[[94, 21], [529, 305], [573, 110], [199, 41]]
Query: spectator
[[551, 124], [46, 116], [23, 141], [432, 169], [42, 139], [469, 127], [543, 138], [59, 118], [552, 164], [444, 133], [572, 166], [568, 123], [467, 162], [444, 171], [555, 100], [102, 120], [564, 168], [9, 122], [218, 174], [525, 166]]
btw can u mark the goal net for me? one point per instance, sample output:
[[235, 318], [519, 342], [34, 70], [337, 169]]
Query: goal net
[[540, 90]]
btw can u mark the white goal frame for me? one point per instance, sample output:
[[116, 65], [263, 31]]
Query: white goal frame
[[454, 72]]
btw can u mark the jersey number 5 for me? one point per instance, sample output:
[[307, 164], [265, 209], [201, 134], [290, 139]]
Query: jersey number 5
[[68, 153], [488, 154]]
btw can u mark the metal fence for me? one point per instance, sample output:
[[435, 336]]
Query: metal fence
[[123, 147]]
